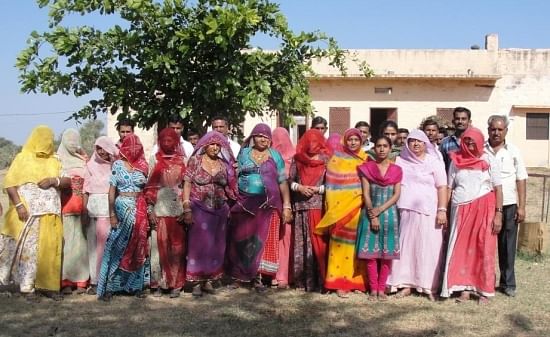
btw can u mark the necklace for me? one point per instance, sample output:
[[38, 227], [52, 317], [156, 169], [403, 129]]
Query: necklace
[[211, 165], [259, 157]]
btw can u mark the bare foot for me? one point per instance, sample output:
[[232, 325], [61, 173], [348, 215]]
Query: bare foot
[[373, 296], [382, 296], [483, 300], [465, 296], [342, 293], [403, 293]]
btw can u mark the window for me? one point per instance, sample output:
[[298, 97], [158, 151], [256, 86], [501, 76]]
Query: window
[[339, 118], [446, 114], [537, 126]]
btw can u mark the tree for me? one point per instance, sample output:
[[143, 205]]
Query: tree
[[190, 58], [89, 132], [8, 150]]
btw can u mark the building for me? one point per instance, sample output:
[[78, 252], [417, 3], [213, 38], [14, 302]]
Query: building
[[410, 84]]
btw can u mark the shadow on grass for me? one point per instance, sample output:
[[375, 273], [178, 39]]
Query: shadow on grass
[[241, 313]]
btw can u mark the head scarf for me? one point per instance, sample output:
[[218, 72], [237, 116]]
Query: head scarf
[[226, 155], [334, 142], [72, 161], [408, 156], [175, 150], [98, 170], [347, 135], [260, 129], [311, 144], [169, 165], [466, 159], [132, 150], [36, 160], [282, 143]]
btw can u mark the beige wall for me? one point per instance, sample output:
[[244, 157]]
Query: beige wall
[[147, 137], [486, 81]]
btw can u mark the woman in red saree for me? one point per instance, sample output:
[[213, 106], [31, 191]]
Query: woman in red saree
[[476, 218], [307, 179], [163, 193]]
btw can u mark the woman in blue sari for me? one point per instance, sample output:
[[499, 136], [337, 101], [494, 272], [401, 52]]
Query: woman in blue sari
[[263, 197], [125, 263]]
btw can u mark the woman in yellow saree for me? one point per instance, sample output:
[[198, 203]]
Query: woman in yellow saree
[[31, 238], [343, 206]]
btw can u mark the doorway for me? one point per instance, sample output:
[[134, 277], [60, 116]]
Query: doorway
[[379, 116]]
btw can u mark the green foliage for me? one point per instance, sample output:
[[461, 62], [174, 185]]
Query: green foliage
[[190, 58], [8, 150], [89, 132]]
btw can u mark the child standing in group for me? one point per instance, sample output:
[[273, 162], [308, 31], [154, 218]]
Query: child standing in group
[[378, 232]]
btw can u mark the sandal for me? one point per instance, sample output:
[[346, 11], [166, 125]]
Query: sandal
[[260, 288], [140, 294], [208, 288], [67, 291], [197, 292], [32, 297], [403, 293], [80, 291], [106, 298], [92, 290], [175, 293], [156, 292], [53, 295]]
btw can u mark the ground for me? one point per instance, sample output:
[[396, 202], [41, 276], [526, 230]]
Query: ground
[[292, 312]]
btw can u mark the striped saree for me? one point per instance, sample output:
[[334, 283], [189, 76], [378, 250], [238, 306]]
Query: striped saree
[[343, 207]]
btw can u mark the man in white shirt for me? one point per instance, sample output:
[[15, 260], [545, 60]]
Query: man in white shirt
[[364, 128], [176, 122], [220, 124], [514, 181]]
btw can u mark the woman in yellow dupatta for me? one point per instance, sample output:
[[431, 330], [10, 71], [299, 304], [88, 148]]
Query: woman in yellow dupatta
[[31, 238], [343, 205]]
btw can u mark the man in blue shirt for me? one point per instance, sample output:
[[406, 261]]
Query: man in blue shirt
[[462, 118]]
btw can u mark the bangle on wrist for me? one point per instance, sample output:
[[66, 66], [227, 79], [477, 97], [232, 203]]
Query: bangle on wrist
[[19, 204], [498, 209], [58, 181], [322, 189], [441, 209]]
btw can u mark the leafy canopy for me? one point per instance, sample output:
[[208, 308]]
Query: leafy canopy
[[192, 58]]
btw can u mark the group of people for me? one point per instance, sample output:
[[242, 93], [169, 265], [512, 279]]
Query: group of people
[[393, 214]]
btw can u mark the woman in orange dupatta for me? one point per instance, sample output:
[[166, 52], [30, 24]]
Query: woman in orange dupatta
[[307, 179], [343, 206], [163, 193], [476, 218]]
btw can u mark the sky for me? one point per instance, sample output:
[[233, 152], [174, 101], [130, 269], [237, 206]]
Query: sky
[[355, 24]]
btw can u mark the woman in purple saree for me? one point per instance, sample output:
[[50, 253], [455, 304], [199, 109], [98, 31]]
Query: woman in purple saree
[[209, 185], [263, 197]]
